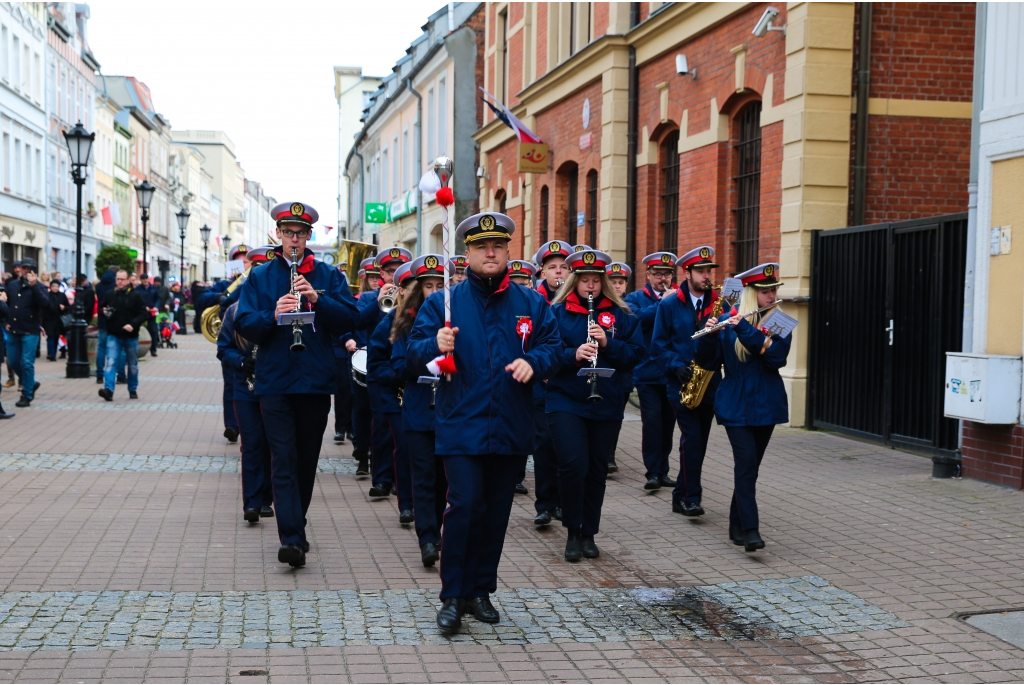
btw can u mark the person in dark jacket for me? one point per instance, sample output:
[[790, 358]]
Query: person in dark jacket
[[386, 389], [3, 323], [88, 298], [103, 288], [618, 276], [429, 484], [53, 324], [586, 430], [151, 296], [27, 300], [657, 418], [294, 387], [751, 399], [126, 313], [506, 340]]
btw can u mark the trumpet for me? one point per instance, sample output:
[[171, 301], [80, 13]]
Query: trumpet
[[722, 324], [388, 299], [594, 395], [297, 344]]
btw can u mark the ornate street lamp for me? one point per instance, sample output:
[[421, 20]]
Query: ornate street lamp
[[145, 192], [205, 233], [182, 217], [79, 143]]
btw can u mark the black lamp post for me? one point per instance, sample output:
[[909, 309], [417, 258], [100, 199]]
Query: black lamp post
[[80, 148], [182, 217], [205, 232], [145, 192]]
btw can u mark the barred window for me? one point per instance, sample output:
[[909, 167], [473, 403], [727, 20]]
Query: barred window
[[592, 208], [669, 171], [748, 186], [542, 236]]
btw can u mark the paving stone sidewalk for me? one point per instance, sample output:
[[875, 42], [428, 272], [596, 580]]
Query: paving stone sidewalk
[[123, 556]]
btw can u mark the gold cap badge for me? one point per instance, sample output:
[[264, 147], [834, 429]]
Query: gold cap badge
[[517, 266], [297, 209], [589, 258], [555, 247], [487, 222], [665, 259], [769, 270], [705, 253], [430, 262]]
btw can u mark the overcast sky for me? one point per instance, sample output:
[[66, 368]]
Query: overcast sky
[[261, 71]]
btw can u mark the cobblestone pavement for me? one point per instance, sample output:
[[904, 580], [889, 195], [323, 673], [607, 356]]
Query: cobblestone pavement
[[123, 556]]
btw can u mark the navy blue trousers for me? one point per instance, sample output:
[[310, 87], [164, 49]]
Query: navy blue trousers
[[429, 485], [583, 447], [545, 462], [748, 446], [257, 490], [382, 444], [297, 424], [343, 398], [694, 429], [480, 492], [615, 447], [229, 397], [400, 461], [657, 424], [362, 421]]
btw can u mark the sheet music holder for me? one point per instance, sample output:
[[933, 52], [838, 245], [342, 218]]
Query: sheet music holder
[[591, 371], [302, 318]]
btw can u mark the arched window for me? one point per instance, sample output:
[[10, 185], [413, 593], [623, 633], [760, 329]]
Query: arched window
[[568, 189], [748, 185], [542, 234], [592, 208], [499, 197], [669, 185]]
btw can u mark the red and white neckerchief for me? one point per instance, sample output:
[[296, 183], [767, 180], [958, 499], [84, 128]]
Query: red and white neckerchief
[[524, 327]]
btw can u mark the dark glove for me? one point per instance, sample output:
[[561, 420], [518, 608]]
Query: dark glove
[[221, 300], [684, 374], [249, 366]]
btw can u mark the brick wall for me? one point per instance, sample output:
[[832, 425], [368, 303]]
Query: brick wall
[[994, 453], [542, 38], [599, 27]]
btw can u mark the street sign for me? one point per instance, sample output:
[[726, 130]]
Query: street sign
[[376, 212], [133, 253], [533, 158]]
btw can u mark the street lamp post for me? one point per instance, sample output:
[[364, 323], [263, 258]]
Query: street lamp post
[[145, 192], [79, 143], [182, 217], [205, 232]]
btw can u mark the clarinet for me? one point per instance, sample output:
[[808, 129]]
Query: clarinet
[[297, 344], [594, 395]]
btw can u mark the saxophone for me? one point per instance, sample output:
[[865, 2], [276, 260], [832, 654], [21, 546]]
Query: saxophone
[[691, 395]]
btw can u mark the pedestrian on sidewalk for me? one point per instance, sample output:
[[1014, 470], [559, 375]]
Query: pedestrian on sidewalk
[[126, 313], [27, 300], [150, 293], [3, 323], [53, 319]]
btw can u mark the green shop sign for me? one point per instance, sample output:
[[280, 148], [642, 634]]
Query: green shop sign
[[376, 212]]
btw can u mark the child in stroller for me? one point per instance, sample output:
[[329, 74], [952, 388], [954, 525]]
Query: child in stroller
[[167, 327]]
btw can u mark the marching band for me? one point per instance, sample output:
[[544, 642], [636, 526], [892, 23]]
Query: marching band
[[445, 397]]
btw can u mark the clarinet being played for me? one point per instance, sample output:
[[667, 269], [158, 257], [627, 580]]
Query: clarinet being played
[[297, 344], [594, 396]]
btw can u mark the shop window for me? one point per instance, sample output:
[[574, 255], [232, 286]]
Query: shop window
[[669, 181], [592, 208], [748, 186]]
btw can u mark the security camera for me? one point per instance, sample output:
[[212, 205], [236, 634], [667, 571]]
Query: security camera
[[479, 172], [764, 24], [683, 68]]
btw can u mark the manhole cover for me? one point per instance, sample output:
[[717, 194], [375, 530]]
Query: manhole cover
[[1006, 625]]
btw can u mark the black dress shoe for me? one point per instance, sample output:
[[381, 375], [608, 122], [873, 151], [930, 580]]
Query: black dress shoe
[[521, 489], [339, 438], [362, 469], [590, 550], [108, 395], [666, 482], [558, 514], [653, 483], [99, 379], [752, 540], [542, 519], [449, 618], [736, 534], [612, 468], [380, 490], [293, 555], [5, 415], [23, 402], [36, 386], [429, 553], [266, 511], [405, 517], [133, 395], [482, 609], [305, 547], [231, 434], [252, 515], [121, 380], [687, 508], [574, 546]]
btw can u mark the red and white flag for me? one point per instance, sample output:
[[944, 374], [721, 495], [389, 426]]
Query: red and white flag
[[524, 134]]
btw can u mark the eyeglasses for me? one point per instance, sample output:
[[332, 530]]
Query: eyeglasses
[[301, 233]]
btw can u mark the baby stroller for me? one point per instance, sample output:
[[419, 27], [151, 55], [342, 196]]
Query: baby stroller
[[167, 328]]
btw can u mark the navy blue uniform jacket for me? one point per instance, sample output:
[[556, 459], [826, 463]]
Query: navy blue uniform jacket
[[416, 412], [367, 317], [279, 371], [378, 365], [671, 345], [212, 294], [752, 393], [483, 410], [567, 391], [232, 357], [644, 304]]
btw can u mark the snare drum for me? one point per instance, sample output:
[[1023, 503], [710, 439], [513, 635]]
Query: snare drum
[[359, 366]]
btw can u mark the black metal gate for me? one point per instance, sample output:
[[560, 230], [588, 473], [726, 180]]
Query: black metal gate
[[886, 305]]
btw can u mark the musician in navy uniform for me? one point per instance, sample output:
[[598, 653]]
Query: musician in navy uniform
[[522, 273], [503, 339], [618, 274], [294, 388], [658, 421], [585, 418], [678, 318], [751, 399], [382, 441], [457, 268], [362, 421]]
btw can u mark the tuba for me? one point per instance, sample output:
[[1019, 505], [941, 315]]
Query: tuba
[[210, 321], [691, 395]]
